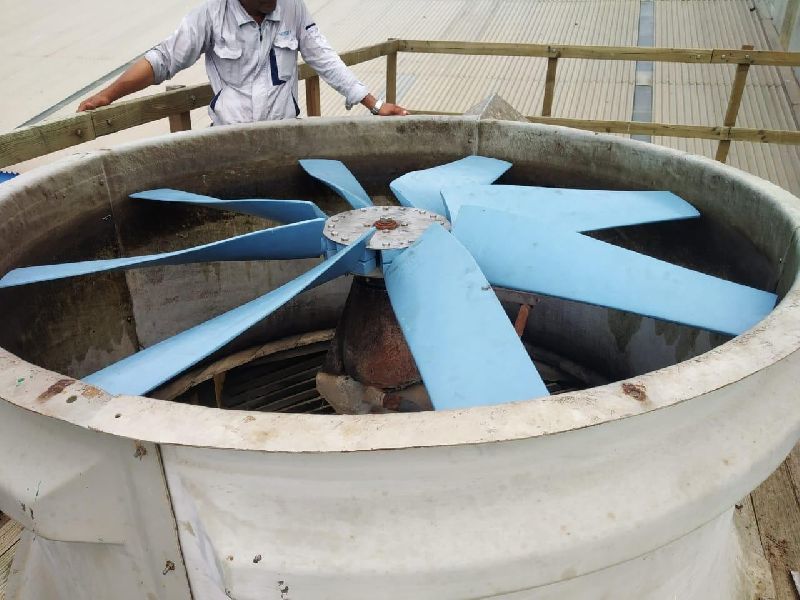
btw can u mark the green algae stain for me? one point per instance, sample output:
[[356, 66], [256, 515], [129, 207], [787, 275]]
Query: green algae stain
[[684, 339], [623, 327]]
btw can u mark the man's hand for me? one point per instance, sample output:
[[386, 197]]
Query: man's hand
[[95, 101], [392, 110], [138, 76], [387, 110]]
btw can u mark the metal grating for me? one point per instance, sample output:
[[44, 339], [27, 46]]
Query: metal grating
[[287, 385], [286, 382]]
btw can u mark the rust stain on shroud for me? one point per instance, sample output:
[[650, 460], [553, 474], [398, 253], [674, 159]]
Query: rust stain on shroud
[[89, 391], [637, 391], [141, 451], [55, 389]]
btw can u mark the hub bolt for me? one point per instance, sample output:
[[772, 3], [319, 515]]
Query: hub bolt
[[384, 224]]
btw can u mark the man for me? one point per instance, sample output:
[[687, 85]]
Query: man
[[250, 48]]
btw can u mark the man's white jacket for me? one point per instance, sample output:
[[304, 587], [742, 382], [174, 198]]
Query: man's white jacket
[[252, 68]]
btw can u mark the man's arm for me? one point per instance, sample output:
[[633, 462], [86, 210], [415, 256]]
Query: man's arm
[[137, 77], [317, 52], [179, 51]]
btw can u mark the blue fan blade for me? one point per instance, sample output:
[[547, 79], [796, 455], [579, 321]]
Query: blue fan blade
[[6, 176], [284, 211], [462, 340], [336, 176], [515, 251], [423, 189], [149, 368], [298, 240], [577, 210]]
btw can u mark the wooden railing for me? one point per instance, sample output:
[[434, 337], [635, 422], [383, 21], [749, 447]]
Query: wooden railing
[[37, 140]]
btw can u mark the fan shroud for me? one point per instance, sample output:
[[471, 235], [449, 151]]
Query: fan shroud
[[599, 443]]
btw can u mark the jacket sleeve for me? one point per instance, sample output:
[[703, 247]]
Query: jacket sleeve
[[182, 48], [317, 52]]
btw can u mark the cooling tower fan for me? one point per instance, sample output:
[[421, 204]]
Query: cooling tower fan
[[423, 310]]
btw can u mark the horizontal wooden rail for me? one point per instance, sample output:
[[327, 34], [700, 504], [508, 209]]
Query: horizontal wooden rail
[[30, 142], [37, 140], [734, 134], [675, 55]]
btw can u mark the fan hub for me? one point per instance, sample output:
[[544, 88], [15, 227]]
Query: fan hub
[[397, 227], [384, 224]]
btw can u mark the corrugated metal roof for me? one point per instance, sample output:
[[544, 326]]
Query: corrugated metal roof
[[690, 94], [454, 83], [698, 94]]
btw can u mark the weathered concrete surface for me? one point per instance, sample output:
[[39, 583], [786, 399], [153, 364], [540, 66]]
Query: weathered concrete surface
[[565, 496], [95, 509], [64, 215]]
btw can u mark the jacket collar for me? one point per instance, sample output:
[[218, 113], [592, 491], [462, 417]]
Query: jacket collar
[[243, 17]]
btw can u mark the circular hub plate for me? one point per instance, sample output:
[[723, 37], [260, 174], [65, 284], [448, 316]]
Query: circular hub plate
[[397, 226]]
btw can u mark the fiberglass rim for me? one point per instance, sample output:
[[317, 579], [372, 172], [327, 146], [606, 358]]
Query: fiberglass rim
[[768, 343]]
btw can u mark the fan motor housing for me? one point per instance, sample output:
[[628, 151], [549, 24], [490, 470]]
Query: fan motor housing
[[625, 490]]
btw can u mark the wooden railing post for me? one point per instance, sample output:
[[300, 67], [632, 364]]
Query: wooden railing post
[[179, 121], [391, 77], [550, 85], [734, 102], [313, 101]]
